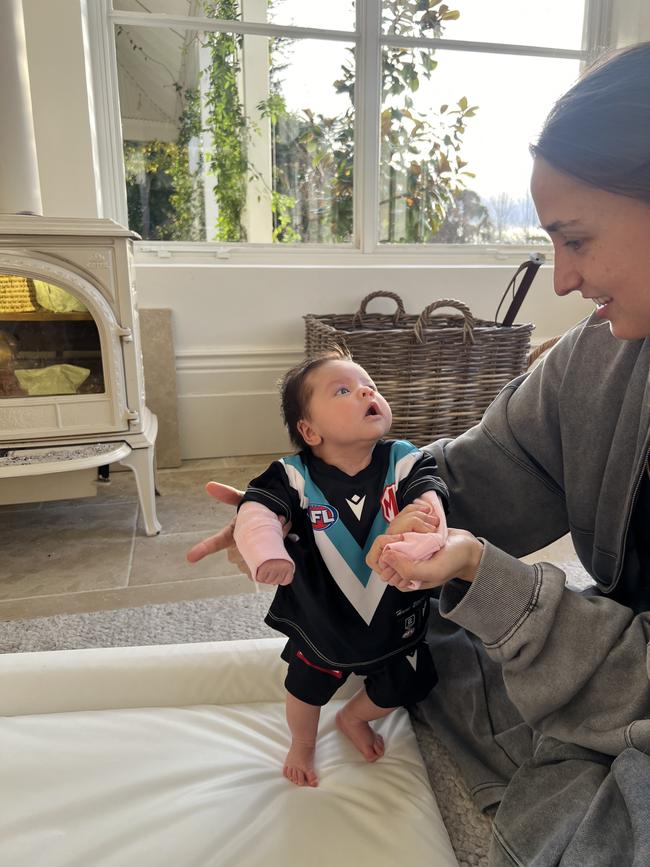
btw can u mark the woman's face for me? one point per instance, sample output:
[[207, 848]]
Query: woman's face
[[602, 247]]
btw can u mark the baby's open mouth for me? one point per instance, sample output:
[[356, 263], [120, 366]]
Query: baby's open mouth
[[372, 410]]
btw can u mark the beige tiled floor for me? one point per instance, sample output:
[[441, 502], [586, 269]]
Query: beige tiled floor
[[91, 554]]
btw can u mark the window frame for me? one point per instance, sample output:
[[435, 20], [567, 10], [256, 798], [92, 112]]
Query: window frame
[[369, 41]]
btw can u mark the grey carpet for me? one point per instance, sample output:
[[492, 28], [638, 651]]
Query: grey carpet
[[222, 619]]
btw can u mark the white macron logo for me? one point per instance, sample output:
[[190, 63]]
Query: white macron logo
[[356, 504]]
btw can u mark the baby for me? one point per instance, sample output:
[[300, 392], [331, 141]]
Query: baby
[[343, 488]]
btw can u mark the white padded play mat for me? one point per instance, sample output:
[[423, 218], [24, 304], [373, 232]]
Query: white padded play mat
[[171, 756]]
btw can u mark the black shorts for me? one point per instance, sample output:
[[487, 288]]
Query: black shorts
[[402, 680]]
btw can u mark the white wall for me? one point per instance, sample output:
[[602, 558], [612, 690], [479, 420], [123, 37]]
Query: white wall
[[237, 327], [631, 21]]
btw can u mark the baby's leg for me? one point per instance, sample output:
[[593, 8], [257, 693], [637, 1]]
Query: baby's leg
[[353, 720], [302, 719]]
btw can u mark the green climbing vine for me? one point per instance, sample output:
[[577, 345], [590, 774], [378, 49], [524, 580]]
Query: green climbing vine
[[226, 123]]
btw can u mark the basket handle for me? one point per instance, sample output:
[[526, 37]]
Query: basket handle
[[358, 316], [423, 319]]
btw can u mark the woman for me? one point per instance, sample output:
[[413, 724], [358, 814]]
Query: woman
[[563, 749]]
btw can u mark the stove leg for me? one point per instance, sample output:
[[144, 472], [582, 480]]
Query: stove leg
[[141, 461]]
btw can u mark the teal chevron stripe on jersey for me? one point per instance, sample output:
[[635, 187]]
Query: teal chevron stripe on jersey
[[340, 536]]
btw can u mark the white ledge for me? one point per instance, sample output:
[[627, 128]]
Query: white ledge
[[60, 459]]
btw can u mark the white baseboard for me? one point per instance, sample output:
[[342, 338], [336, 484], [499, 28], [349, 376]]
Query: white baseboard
[[228, 401]]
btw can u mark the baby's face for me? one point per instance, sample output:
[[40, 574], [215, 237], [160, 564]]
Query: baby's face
[[345, 406]]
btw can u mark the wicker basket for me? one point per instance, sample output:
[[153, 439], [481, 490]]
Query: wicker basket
[[17, 294], [439, 373]]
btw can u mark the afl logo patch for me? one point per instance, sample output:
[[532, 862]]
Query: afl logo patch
[[322, 517]]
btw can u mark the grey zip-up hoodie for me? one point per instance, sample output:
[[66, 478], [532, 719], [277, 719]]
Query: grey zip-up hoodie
[[561, 449]]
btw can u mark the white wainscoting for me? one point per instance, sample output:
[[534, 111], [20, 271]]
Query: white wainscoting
[[228, 401]]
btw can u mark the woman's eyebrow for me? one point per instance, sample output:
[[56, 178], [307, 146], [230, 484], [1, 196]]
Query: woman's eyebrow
[[559, 225]]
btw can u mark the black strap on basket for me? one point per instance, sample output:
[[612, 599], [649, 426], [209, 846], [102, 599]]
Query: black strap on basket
[[529, 268]]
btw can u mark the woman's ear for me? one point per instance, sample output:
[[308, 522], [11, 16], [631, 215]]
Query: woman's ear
[[308, 433]]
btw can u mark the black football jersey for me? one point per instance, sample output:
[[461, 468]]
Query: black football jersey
[[336, 608]]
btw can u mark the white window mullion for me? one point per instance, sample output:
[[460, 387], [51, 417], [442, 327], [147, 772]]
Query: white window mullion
[[482, 47], [220, 25], [597, 31], [367, 120], [106, 106]]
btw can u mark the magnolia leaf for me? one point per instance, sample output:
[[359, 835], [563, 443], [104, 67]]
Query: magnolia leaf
[[462, 102]]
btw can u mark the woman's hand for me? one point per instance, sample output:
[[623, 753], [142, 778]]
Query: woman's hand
[[224, 539], [459, 558]]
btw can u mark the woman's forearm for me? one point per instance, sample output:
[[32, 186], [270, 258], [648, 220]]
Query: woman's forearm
[[574, 665]]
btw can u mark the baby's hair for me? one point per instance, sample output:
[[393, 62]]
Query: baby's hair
[[296, 392]]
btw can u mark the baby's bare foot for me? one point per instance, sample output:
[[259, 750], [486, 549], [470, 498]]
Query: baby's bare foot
[[299, 764], [365, 739]]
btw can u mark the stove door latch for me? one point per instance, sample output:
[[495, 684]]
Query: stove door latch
[[132, 415], [125, 333]]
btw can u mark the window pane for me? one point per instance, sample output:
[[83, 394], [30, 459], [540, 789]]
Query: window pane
[[333, 15], [455, 164], [158, 7], [550, 23], [230, 138]]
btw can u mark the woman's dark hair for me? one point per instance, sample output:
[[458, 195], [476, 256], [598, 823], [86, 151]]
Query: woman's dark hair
[[296, 392], [599, 131]]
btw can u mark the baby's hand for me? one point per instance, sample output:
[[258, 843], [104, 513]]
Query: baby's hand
[[275, 572], [418, 517]]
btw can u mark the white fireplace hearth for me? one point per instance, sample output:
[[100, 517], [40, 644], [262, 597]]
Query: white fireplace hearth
[[71, 378]]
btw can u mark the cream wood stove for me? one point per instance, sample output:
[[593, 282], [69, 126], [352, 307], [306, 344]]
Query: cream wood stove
[[71, 379]]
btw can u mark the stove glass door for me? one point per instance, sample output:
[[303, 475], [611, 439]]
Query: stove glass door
[[49, 342]]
